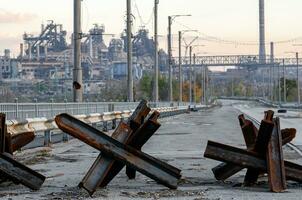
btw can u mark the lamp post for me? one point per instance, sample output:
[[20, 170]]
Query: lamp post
[[180, 35], [155, 89], [170, 21]]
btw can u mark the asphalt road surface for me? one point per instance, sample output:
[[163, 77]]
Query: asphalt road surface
[[181, 141]]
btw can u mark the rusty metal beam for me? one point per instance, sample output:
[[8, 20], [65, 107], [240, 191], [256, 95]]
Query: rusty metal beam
[[19, 173], [20, 140], [226, 170], [247, 159], [250, 132], [104, 169], [11, 169], [113, 149], [140, 137], [261, 144], [275, 162]]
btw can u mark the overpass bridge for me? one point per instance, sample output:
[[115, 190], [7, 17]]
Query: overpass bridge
[[251, 61]]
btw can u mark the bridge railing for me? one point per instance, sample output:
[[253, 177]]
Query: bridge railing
[[21, 111]]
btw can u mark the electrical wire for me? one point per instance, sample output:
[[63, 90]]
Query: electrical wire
[[209, 38], [142, 22]]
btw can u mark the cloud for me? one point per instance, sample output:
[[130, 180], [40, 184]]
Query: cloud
[[8, 17]]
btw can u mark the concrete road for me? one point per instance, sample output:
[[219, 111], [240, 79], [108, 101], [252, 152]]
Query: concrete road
[[181, 141], [290, 119]]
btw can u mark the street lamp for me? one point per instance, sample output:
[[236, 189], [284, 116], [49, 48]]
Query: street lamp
[[180, 35], [170, 20]]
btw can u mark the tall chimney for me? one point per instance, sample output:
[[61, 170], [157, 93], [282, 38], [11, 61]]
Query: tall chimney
[[262, 55]]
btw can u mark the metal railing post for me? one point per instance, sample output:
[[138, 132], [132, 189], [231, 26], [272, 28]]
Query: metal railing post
[[36, 107], [65, 135], [51, 108], [47, 138], [16, 108]]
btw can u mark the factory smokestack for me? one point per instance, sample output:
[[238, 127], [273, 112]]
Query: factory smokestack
[[262, 55]]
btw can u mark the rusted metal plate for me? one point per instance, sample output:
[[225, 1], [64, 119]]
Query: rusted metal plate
[[113, 149], [248, 159], [274, 159], [19, 173]]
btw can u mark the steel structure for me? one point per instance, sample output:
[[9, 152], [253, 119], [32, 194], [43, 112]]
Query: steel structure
[[51, 38], [236, 60]]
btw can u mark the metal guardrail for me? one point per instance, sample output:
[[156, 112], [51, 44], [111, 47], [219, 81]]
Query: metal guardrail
[[265, 102], [40, 125], [21, 111]]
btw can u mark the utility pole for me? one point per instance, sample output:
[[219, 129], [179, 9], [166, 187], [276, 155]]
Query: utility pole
[[170, 58], [77, 69], [190, 74], [298, 81], [232, 74], [204, 84], [284, 82], [179, 66], [194, 78], [129, 52], [279, 85], [170, 20], [156, 2], [272, 65]]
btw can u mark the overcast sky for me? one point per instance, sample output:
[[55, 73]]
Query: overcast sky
[[235, 20]]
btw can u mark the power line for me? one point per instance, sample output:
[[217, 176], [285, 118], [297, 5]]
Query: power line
[[210, 38], [142, 22]]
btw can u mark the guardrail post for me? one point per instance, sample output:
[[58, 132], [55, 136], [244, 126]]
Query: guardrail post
[[47, 138], [111, 109], [105, 126], [51, 108], [36, 107], [113, 123], [65, 135], [78, 104], [87, 107], [16, 108]]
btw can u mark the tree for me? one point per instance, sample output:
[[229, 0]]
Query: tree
[[291, 89]]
